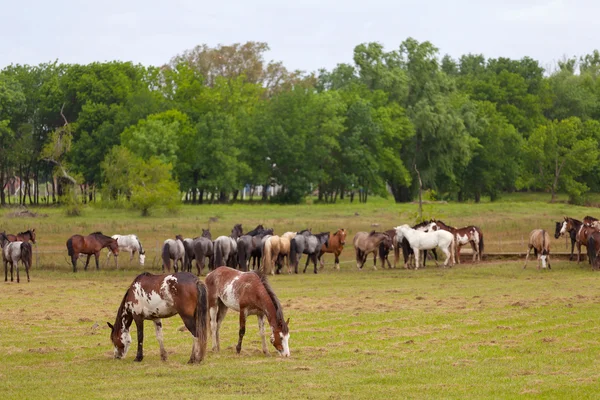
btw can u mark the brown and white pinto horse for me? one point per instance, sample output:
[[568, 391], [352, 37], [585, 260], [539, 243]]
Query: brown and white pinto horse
[[583, 235], [468, 235], [539, 241], [335, 245], [91, 244], [248, 293], [28, 235], [162, 296]]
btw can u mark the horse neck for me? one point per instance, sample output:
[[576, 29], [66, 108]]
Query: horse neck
[[124, 318]]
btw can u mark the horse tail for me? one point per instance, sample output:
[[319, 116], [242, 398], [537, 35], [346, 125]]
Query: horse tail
[[591, 249], [218, 254], [267, 256], [166, 256], [202, 319], [293, 252], [70, 247], [26, 253], [481, 245]]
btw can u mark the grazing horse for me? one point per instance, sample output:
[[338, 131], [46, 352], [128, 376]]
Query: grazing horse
[[407, 251], [173, 250], [28, 235], [225, 250], [366, 243], [539, 241], [335, 245], [593, 249], [91, 244], [307, 243], [131, 244], [244, 244], [572, 226], [248, 293], [271, 249], [202, 248], [162, 296], [583, 234], [427, 241], [13, 252], [468, 235]]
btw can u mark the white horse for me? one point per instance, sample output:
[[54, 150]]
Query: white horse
[[131, 244], [427, 241], [13, 252]]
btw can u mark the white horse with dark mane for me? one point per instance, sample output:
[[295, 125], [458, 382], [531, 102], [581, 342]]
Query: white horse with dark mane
[[427, 241], [132, 245]]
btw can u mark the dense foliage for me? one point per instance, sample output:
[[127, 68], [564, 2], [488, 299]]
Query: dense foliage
[[220, 123]]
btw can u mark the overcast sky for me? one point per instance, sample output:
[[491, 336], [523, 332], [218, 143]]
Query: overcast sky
[[306, 34]]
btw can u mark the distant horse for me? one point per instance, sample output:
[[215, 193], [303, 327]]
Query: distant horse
[[593, 249], [244, 244], [289, 235], [427, 241], [188, 246], [256, 252], [173, 250], [225, 250], [385, 248], [131, 244], [271, 249], [307, 243], [162, 296], [28, 235], [583, 234], [284, 254], [237, 231], [366, 243], [91, 244], [572, 226], [407, 251], [468, 235], [203, 248], [248, 293], [13, 252], [539, 241], [335, 245]]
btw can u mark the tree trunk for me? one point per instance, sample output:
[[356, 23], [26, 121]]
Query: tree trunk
[[420, 193]]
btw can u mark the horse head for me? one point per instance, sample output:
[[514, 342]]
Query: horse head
[[114, 246], [121, 339], [341, 233], [280, 337], [206, 233], [561, 228]]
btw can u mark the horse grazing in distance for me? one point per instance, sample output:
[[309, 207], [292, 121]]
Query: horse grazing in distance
[[244, 244], [593, 248], [307, 243], [539, 241], [271, 249], [571, 226], [202, 248], [335, 245], [131, 244], [248, 293], [13, 252], [427, 241], [28, 235], [173, 250], [468, 235], [366, 243], [91, 244], [583, 235], [162, 296]]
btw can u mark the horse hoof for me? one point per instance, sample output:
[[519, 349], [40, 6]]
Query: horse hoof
[[139, 359]]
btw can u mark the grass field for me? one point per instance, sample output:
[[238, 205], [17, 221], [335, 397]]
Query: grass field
[[491, 330]]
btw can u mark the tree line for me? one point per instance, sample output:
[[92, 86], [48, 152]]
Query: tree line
[[216, 120]]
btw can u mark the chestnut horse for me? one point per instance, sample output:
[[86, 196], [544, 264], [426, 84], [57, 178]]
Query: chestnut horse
[[335, 245], [28, 235], [248, 293], [91, 244], [539, 241], [162, 296]]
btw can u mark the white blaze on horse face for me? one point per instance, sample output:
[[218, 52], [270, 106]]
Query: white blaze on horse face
[[285, 343], [543, 258], [126, 341], [563, 230], [142, 259]]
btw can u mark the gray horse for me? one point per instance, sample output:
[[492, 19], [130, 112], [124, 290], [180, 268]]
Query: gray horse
[[203, 248], [173, 250], [189, 249], [225, 249], [244, 247], [13, 252], [307, 243]]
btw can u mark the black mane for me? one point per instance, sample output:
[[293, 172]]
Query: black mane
[[276, 303]]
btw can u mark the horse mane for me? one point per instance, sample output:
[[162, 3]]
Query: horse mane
[[423, 223], [27, 231], [97, 233], [119, 321], [443, 223], [275, 300], [100, 234], [590, 217]]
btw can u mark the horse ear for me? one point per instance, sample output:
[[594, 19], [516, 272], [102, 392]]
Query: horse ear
[[112, 328], [287, 322]]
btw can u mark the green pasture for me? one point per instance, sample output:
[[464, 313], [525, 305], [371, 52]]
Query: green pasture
[[489, 330]]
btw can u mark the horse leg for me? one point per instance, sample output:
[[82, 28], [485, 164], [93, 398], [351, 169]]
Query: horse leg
[[314, 258], [337, 260], [447, 253], [261, 330], [417, 254], [320, 258], [87, 262], [242, 332], [139, 323], [27, 270], [578, 252], [5, 270], [475, 251], [306, 264], [359, 257], [97, 256], [527, 256], [17, 268], [213, 311], [572, 250]]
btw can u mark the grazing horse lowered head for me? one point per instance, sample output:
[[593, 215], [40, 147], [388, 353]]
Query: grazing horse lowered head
[[539, 241], [162, 296], [131, 244], [248, 293]]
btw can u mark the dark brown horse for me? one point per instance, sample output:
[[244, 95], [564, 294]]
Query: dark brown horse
[[571, 226], [162, 296], [248, 293], [91, 244], [335, 245], [468, 235], [385, 248], [583, 234], [28, 235]]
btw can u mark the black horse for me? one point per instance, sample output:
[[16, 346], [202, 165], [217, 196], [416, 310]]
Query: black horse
[[572, 226]]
